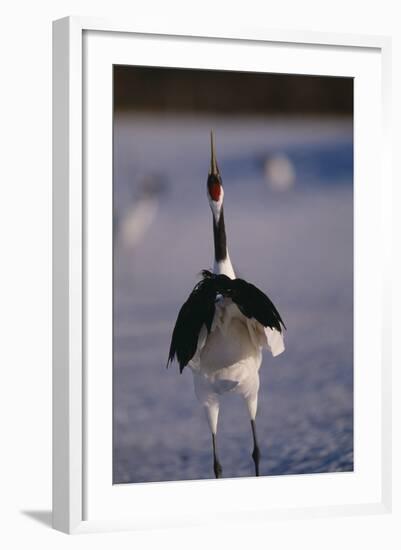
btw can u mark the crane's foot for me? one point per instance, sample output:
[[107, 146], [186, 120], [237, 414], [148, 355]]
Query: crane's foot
[[256, 459], [256, 450], [218, 470]]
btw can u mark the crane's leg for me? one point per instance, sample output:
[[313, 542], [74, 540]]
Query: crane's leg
[[252, 404], [212, 413], [256, 450], [210, 402]]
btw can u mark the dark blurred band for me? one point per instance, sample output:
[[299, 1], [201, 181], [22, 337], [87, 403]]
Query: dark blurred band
[[191, 91]]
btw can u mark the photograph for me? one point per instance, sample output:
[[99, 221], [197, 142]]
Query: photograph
[[233, 255]]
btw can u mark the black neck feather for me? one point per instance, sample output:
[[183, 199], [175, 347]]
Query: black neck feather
[[220, 239]]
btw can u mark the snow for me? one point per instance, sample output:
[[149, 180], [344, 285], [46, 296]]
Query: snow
[[295, 244]]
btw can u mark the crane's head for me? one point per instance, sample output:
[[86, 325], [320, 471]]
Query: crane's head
[[215, 192]]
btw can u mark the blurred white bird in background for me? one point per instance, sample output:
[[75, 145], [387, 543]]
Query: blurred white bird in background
[[279, 172], [140, 212]]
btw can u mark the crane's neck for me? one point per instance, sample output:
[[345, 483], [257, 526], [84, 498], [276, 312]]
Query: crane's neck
[[222, 262]]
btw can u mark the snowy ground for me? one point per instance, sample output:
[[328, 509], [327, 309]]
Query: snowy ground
[[296, 245]]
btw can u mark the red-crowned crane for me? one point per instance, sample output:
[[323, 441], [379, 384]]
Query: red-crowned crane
[[222, 327]]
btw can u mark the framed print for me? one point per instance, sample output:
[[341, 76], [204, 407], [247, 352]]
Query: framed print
[[220, 206]]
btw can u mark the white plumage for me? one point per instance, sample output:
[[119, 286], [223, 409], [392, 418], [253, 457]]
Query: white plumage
[[229, 358]]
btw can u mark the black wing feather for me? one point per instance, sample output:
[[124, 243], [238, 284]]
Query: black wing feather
[[197, 310], [254, 303]]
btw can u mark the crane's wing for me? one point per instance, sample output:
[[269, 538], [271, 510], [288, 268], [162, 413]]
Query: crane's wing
[[254, 304], [262, 314], [197, 311]]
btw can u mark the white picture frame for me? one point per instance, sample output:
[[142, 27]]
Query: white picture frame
[[83, 51]]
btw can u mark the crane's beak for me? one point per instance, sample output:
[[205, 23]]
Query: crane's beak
[[214, 170]]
